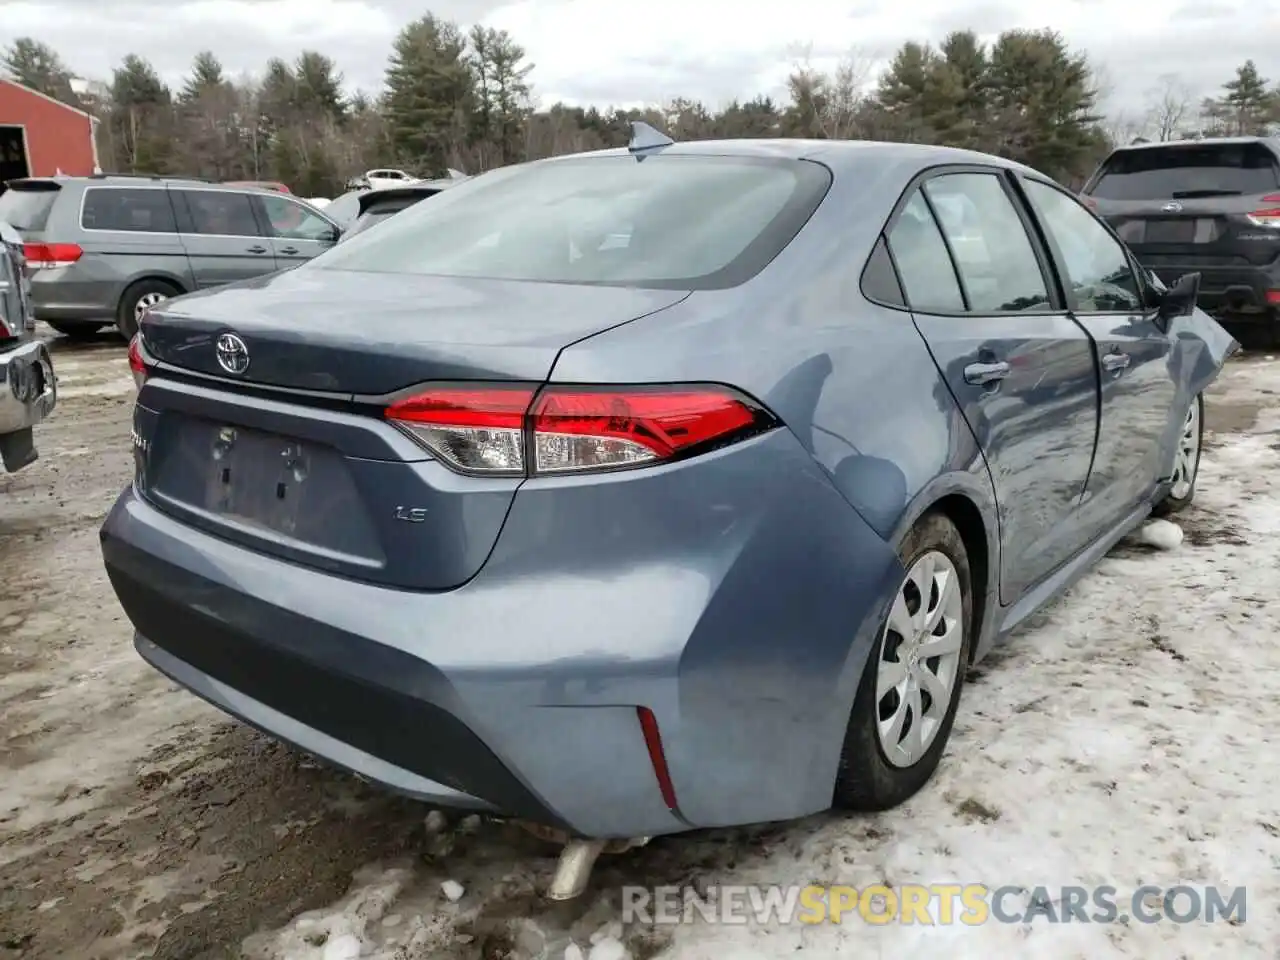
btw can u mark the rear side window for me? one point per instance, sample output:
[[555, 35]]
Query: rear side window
[[674, 222], [990, 244], [27, 209], [126, 209], [1187, 171], [928, 275], [221, 213]]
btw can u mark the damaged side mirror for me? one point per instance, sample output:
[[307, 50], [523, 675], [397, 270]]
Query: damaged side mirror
[[1176, 301]]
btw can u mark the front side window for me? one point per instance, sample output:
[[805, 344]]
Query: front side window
[[221, 213], [293, 221], [130, 210], [993, 253], [1097, 268], [928, 275], [688, 222]]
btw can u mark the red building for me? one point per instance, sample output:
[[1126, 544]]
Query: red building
[[41, 137]]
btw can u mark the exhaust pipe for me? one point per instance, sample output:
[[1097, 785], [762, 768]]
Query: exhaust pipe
[[577, 858]]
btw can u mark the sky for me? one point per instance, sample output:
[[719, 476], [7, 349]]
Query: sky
[[627, 52]]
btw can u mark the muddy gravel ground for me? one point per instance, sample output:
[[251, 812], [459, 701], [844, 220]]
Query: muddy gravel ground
[[135, 821]]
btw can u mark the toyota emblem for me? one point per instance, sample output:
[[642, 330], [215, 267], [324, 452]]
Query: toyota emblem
[[1173, 206], [233, 355]]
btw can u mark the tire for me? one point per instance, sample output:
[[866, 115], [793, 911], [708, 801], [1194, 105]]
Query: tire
[[1190, 443], [868, 779], [139, 295], [76, 330]]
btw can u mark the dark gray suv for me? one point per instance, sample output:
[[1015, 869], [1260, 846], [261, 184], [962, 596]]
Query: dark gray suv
[[103, 249]]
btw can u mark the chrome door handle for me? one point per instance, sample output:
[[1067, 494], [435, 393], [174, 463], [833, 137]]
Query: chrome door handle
[[980, 374], [289, 250], [1115, 362], [257, 249]]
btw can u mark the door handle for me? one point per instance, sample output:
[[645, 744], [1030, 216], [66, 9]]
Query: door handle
[[1115, 362], [257, 249], [980, 374], [289, 250]]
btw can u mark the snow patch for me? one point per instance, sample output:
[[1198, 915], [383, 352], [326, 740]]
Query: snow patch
[[1161, 534]]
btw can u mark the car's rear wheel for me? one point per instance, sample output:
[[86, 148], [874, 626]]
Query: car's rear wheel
[[1186, 464], [139, 298], [906, 701]]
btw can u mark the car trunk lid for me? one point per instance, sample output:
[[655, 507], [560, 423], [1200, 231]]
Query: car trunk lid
[[301, 465], [356, 333]]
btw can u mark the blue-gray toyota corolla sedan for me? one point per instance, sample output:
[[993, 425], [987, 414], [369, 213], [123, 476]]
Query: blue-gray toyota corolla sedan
[[665, 487]]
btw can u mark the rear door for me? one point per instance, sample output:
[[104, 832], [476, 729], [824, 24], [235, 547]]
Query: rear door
[[1138, 385], [222, 236], [1196, 207], [1020, 368], [297, 232]]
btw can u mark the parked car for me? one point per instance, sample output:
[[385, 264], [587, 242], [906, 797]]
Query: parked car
[[344, 208], [28, 388], [375, 206], [374, 179], [106, 248], [1208, 206], [630, 497]]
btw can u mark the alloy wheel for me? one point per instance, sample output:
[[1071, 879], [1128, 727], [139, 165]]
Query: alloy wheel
[[919, 659], [1187, 460]]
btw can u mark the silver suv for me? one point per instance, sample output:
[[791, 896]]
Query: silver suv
[[105, 248], [28, 390]]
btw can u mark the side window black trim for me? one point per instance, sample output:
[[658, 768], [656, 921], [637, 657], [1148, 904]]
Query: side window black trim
[[1060, 260], [882, 260], [1057, 304]]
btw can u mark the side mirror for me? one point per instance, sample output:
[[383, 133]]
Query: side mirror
[[1179, 300]]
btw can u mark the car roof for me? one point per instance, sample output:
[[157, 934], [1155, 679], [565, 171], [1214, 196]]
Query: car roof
[[133, 180], [1272, 142], [833, 153]]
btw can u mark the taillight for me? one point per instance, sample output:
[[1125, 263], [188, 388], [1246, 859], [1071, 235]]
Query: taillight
[[520, 430], [1267, 217], [40, 255], [137, 361]]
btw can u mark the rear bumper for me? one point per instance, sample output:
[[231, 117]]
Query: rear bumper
[[741, 618], [28, 390], [1230, 291], [66, 294]]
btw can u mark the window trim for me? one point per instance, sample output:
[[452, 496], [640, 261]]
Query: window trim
[[84, 196], [1057, 302], [1060, 260]]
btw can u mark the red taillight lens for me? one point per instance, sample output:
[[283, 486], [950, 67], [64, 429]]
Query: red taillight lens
[[40, 255], [137, 361], [1269, 217], [591, 429], [573, 429], [475, 429]]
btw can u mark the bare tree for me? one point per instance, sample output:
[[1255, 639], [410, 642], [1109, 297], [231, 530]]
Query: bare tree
[[1168, 106], [1123, 128]]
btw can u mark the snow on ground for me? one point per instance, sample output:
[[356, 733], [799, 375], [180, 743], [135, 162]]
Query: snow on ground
[[1127, 737]]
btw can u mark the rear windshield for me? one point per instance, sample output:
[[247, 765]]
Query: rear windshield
[[1164, 173], [27, 209], [372, 218], [676, 222]]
